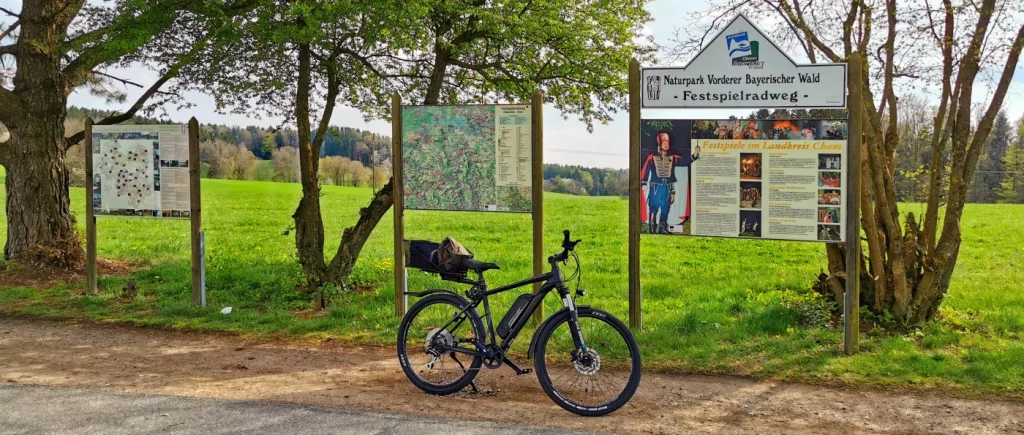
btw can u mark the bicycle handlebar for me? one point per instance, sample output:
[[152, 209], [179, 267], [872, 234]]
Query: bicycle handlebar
[[567, 246]]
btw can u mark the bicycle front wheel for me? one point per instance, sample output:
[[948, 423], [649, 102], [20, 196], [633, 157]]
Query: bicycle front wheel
[[597, 379]]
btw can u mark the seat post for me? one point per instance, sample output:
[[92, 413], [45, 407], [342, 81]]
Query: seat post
[[480, 280]]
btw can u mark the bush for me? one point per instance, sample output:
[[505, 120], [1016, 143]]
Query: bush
[[812, 309], [807, 308]]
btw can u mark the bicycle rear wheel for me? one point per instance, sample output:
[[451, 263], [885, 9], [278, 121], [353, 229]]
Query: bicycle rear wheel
[[431, 328], [593, 381]]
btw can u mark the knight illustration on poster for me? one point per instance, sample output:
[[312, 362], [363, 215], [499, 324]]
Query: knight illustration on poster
[[665, 176], [773, 179]]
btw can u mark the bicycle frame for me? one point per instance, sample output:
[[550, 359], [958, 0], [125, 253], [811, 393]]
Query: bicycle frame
[[479, 294]]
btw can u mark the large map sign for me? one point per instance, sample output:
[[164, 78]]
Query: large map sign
[[141, 170], [467, 158], [771, 179]]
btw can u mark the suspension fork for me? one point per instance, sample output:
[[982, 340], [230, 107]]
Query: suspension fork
[[574, 320]]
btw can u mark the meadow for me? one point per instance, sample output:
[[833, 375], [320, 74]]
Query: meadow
[[712, 306]]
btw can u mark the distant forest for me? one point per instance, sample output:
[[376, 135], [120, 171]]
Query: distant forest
[[355, 144]]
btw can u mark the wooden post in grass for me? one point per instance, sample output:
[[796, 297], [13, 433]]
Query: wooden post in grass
[[195, 210], [635, 316], [90, 215], [537, 191], [398, 193], [851, 300]]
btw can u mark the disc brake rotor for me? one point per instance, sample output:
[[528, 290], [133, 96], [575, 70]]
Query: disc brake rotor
[[588, 363]]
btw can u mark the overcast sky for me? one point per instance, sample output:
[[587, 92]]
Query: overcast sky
[[566, 141]]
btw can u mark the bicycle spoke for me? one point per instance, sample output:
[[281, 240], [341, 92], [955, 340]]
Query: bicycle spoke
[[431, 334], [584, 378]]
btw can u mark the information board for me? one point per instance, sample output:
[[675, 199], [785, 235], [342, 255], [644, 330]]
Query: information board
[[770, 179], [467, 158], [141, 170]]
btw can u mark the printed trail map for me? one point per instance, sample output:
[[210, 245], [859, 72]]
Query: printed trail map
[[126, 174], [450, 155]]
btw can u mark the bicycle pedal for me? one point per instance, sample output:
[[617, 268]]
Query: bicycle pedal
[[524, 372]]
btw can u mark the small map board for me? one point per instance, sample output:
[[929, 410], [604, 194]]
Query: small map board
[[141, 170], [741, 67], [769, 179], [468, 158]]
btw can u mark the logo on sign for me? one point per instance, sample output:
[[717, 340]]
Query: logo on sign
[[653, 87], [742, 50]]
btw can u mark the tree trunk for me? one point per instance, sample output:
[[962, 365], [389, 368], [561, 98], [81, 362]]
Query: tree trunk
[[354, 238], [40, 225], [309, 225]]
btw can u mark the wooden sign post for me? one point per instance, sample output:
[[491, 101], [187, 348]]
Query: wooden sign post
[[537, 191], [195, 211], [90, 216], [398, 199], [635, 313], [851, 300]]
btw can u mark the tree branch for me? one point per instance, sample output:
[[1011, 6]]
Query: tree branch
[[126, 82], [9, 12], [7, 49], [985, 125], [851, 19], [117, 119], [814, 40], [141, 102], [969, 69], [805, 41], [9, 30], [333, 86], [939, 135]]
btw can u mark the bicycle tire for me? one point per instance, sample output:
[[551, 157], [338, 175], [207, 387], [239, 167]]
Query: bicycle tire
[[403, 333], [540, 365]]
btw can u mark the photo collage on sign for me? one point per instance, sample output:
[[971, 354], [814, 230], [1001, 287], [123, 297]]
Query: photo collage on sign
[[829, 183], [777, 179]]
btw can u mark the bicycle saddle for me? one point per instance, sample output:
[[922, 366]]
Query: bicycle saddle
[[478, 266]]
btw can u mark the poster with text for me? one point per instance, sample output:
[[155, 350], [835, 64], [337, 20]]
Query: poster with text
[[141, 170], [468, 158], [767, 179]]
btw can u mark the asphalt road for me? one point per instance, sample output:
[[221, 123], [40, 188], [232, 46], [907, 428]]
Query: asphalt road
[[28, 409]]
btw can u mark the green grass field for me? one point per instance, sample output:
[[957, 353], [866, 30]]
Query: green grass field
[[710, 305]]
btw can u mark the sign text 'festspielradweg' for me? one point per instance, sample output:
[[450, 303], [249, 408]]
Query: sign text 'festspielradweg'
[[741, 67]]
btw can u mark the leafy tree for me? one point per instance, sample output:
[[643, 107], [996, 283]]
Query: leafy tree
[[49, 49], [268, 145], [286, 164], [990, 166], [1011, 189], [949, 46], [360, 52]]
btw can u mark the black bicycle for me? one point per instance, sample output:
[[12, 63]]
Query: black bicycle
[[587, 360]]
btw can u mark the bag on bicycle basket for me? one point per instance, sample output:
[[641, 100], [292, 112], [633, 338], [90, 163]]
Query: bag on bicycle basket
[[513, 314], [451, 254]]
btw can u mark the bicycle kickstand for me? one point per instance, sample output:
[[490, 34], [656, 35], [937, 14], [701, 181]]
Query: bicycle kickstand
[[519, 371]]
